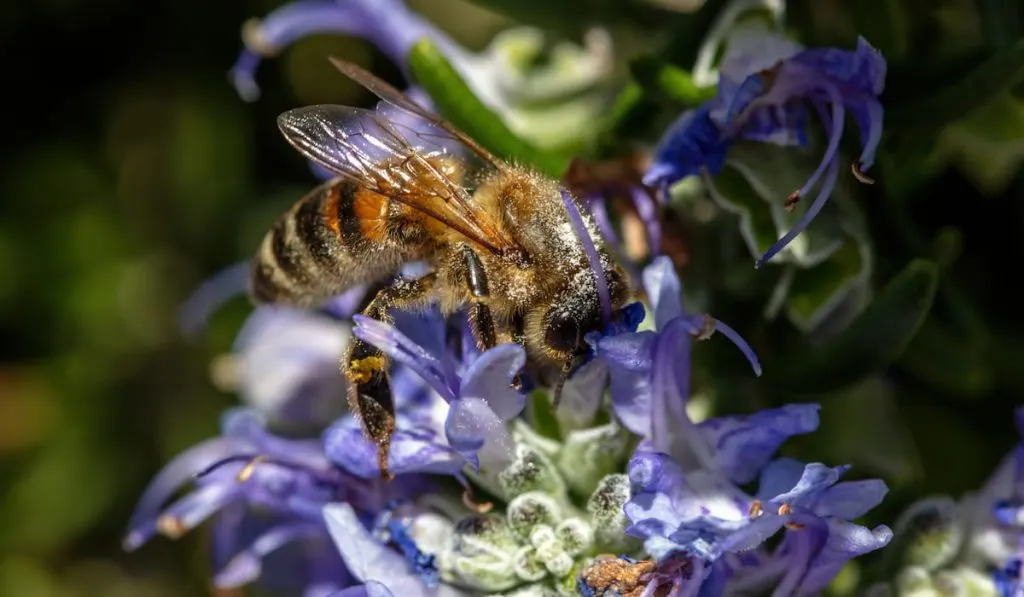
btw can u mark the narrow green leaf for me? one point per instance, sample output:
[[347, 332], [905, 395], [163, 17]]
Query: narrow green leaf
[[816, 292], [757, 179], [670, 81], [875, 338], [868, 408], [456, 102], [934, 109], [731, 190], [629, 112], [945, 360]]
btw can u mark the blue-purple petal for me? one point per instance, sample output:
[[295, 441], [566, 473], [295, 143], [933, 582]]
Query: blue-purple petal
[[664, 290], [179, 471], [692, 143], [247, 565], [470, 424], [815, 479], [746, 444], [347, 446], [367, 559], [845, 542], [778, 477], [489, 379], [852, 499], [629, 361]]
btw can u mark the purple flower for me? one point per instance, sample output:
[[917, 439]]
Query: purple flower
[[286, 365], [816, 508], [650, 370], [387, 24], [766, 89], [462, 419], [384, 572], [701, 513], [265, 495], [686, 501]]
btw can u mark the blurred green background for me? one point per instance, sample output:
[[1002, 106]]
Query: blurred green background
[[132, 172]]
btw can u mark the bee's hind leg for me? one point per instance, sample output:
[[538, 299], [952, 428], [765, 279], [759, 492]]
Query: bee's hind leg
[[365, 366]]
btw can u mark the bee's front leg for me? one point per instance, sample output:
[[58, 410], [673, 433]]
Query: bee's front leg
[[365, 366], [481, 321]]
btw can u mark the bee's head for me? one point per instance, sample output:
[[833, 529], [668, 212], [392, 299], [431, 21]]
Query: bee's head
[[576, 311]]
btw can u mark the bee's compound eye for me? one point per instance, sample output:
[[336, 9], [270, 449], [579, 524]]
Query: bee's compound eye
[[565, 329], [562, 331]]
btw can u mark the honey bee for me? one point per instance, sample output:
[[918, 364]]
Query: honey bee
[[499, 240]]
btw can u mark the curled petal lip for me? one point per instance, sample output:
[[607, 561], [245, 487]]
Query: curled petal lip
[[180, 471]]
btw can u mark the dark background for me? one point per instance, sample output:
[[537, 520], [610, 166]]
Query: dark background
[[132, 172]]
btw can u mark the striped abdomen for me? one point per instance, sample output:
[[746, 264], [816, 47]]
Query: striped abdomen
[[336, 237]]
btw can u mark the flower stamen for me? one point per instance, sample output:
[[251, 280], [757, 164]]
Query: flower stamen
[[792, 200], [469, 500], [171, 526], [707, 328], [255, 39], [250, 468], [858, 173]]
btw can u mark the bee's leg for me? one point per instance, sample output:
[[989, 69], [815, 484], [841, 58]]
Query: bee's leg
[[481, 320], [365, 366]]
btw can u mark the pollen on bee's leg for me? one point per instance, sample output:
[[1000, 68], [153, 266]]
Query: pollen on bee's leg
[[859, 174], [360, 371]]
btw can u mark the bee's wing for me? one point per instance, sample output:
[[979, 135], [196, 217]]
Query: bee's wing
[[392, 151], [399, 100]]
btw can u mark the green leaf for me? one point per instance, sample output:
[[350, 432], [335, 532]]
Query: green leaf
[[933, 109], [456, 102], [669, 81], [757, 179], [875, 338], [987, 144], [815, 293], [731, 190], [946, 361], [867, 409], [630, 111]]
